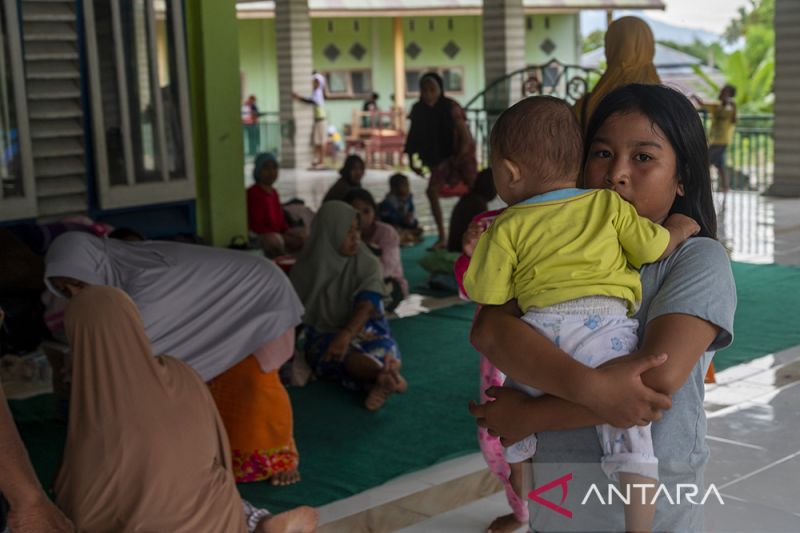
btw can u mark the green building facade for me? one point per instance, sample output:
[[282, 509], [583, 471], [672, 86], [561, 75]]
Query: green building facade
[[357, 56]]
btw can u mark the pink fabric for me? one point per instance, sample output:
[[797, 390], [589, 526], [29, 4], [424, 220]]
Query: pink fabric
[[386, 238], [272, 354], [492, 449], [490, 376], [462, 263]]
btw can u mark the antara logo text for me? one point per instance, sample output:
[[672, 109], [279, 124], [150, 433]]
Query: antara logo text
[[682, 492]]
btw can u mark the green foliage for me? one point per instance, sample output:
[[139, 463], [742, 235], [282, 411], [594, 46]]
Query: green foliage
[[752, 69], [594, 40], [761, 13]]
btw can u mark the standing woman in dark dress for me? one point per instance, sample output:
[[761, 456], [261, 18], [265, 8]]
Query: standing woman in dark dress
[[440, 137]]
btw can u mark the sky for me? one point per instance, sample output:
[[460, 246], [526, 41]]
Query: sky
[[685, 20], [709, 15]]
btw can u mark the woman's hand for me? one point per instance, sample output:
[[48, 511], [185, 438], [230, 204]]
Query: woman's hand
[[508, 416], [617, 394], [339, 346], [41, 516]]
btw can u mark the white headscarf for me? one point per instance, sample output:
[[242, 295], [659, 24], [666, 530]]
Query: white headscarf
[[209, 307]]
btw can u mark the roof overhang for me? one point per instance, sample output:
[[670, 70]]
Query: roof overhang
[[248, 9]]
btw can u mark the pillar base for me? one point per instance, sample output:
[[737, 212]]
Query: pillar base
[[783, 190]]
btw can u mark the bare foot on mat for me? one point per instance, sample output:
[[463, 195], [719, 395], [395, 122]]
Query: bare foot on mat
[[439, 245], [392, 367], [300, 520], [505, 524], [285, 478]]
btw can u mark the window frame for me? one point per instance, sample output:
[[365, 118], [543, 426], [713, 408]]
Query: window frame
[[132, 193], [25, 206], [349, 94], [440, 71]]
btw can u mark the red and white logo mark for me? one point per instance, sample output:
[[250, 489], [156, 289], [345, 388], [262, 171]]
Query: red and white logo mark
[[560, 482]]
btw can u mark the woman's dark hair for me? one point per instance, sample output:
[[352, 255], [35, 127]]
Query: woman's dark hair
[[349, 163], [363, 195], [435, 77], [672, 112]]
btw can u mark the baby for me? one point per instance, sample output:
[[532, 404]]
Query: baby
[[569, 257]]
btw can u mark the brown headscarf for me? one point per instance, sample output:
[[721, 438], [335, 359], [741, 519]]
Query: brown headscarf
[[146, 449], [630, 49]]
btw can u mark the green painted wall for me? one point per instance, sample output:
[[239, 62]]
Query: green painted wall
[[258, 62], [375, 35], [562, 30], [466, 33], [215, 97]]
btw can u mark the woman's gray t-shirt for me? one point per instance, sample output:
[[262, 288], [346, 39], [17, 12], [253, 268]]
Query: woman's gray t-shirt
[[695, 280]]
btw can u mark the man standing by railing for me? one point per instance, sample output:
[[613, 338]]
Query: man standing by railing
[[723, 122], [250, 116]]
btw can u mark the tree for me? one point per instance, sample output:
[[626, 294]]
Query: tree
[[594, 40], [761, 13], [752, 69], [753, 82]]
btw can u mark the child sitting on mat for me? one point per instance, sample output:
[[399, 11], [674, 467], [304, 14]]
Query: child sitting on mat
[[569, 257]]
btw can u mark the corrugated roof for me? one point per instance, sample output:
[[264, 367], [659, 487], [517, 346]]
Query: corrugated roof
[[665, 57], [410, 7]]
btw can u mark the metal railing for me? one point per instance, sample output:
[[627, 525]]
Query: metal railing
[[749, 158], [568, 82], [265, 135]]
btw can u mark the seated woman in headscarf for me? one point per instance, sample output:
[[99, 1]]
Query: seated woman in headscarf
[[211, 308], [347, 336], [265, 216], [146, 449], [630, 49]]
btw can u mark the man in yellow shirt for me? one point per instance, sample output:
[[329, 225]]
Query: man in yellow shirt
[[723, 123]]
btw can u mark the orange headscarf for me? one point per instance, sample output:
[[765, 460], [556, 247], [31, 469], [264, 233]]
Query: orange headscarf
[[630, 49], [146, 449]]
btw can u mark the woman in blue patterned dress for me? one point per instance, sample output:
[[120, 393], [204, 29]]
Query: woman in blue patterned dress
[[347, 336]]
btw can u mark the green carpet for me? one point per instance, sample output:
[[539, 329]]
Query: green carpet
[[345, 449], [417, 276], [768, 298]]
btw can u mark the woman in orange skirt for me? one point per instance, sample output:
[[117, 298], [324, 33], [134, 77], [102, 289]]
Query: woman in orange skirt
[[257, 414]]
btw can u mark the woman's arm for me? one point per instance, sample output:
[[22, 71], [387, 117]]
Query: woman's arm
[[31, 509], [340, 344], [616, 393], [513, 415], [685, 338]]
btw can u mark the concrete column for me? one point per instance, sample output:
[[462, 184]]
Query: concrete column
[[503, 50], [293, 36], [787, 99], [399, 64], [216, 120]]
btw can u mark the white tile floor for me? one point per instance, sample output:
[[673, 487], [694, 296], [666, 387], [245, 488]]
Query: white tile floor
[[754, 409]]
